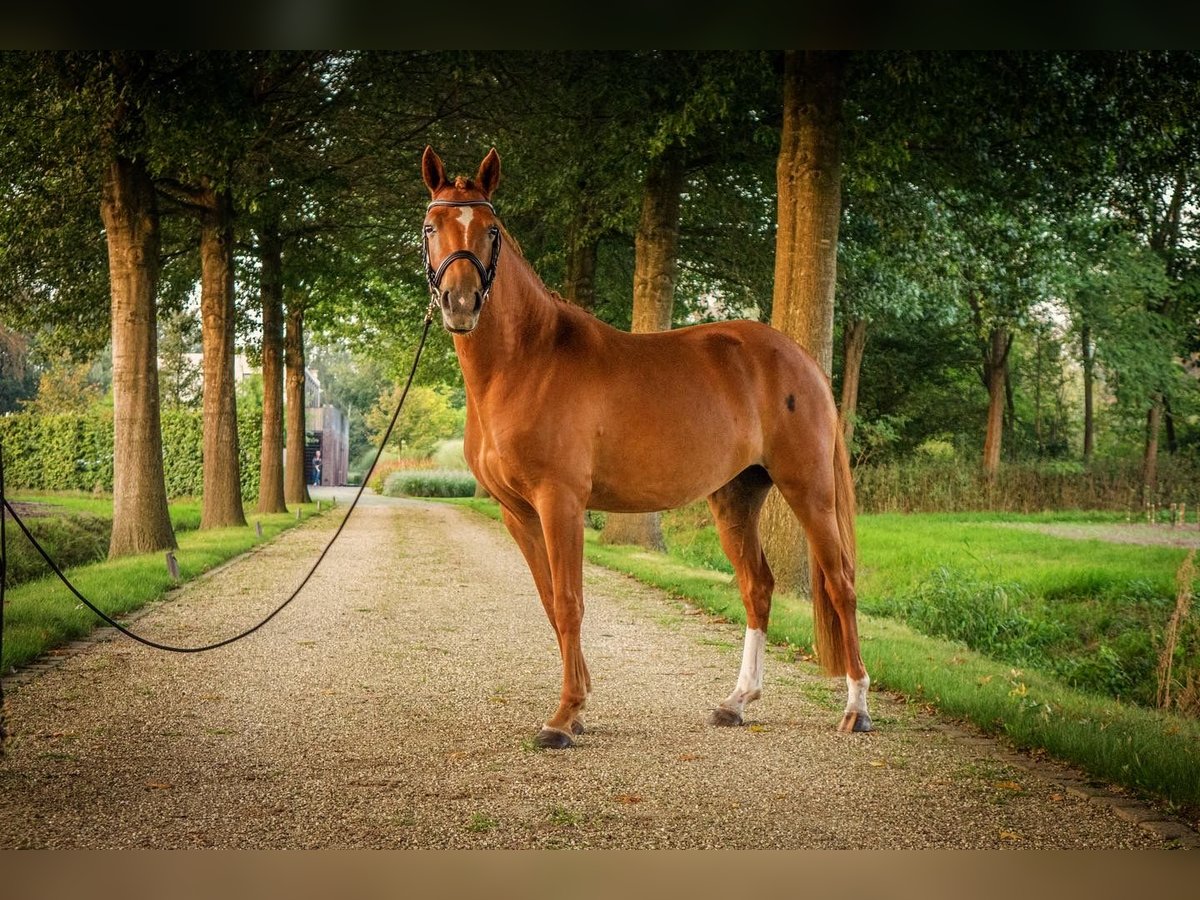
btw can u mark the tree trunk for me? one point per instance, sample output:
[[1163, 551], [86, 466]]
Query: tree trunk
[[129, 210], [809, 177], [854, 343], [1089, 421], [270, 491], [580, 285], [995, 367], [295, 487], [222, 502], [1168, 417], [656, 266], [1150, 454]]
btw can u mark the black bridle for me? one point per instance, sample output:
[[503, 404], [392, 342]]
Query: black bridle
[[486, 274]]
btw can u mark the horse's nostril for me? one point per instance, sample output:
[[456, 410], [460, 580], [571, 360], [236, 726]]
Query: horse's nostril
[[478, 302], [446, 301]]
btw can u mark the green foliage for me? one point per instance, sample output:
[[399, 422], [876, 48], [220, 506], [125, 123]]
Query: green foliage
[[429, 483], [75, 452], [429, 416]]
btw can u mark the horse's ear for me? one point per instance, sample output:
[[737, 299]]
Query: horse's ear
[[432, 171], [489, 173]]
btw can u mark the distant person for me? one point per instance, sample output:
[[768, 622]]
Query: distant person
[[317, 469]]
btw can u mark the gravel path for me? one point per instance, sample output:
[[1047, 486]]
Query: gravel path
[[393, 705], [1116, 533]]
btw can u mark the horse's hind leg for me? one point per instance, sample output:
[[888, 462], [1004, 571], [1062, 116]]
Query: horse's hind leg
[[735, 507], [834, 599]]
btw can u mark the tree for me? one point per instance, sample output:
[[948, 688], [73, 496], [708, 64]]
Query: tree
[[295, 486], [809, 191], [222, 501], [179, 377], [428, 418], [74, 132], [270, 493]]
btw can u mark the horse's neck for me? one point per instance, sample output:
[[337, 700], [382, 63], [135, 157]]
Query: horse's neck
[[519, 317]]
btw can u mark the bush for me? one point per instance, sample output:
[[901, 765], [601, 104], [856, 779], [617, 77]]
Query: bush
[[387, 467], [429, 483], [74, 451]]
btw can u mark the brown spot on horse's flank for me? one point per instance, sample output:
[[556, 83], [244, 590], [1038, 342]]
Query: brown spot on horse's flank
[[791, 402]]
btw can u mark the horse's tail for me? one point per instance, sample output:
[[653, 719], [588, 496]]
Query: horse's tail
[[827, 627]]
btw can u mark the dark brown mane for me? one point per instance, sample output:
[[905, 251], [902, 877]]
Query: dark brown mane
[[512, 244]]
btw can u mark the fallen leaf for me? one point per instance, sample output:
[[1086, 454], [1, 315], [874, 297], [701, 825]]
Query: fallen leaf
[[1056, 798], [1010, 835], [1007, 785], [759, 729], [879, 763], [629, 798], [688, 757], [986, 679]]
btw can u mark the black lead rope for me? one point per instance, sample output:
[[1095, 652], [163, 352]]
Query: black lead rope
[[7, 507]]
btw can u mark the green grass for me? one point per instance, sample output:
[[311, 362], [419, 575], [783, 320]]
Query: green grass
[[1144, 749], [42, 614]]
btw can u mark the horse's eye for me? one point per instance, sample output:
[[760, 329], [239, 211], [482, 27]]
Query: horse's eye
[[429, 229], [494, 232]]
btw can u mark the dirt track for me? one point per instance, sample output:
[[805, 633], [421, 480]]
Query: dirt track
[[393, 705]]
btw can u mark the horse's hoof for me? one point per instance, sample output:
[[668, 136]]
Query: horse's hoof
[[725, 717], [855, 721], [553, 739], [577, 727]]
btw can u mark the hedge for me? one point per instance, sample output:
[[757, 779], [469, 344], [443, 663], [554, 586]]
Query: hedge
[[74, 452]]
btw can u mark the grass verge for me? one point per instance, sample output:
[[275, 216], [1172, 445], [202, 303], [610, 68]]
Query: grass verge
[[1143, 749], [42, 614]]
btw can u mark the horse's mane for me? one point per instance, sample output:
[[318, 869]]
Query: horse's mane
[[513, 244]]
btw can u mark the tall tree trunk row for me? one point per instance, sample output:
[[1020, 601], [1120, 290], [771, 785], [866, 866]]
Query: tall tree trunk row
[[222, 501], [995, 368], [809, 176], [295, 485], [270, 491], [129, 210]]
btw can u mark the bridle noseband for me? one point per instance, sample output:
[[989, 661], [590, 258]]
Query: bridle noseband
[[486, 274]]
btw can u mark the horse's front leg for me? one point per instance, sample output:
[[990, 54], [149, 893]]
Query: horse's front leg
[[562, 526]]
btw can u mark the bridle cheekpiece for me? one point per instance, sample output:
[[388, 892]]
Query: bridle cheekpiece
[[487, 274]]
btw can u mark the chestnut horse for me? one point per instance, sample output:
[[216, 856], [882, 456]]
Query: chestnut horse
[[565, 414]]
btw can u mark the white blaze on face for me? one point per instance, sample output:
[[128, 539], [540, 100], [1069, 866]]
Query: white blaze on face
[[465, 215], [750, 678]]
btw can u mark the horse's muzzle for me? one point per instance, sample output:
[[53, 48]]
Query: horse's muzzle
[[460, 310]]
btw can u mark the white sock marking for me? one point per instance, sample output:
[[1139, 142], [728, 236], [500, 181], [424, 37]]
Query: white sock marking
[[856, 693], [750, 678]]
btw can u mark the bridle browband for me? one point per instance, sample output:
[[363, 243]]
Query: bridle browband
[[486, 274]]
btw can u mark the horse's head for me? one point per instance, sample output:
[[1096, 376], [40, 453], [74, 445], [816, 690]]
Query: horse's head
[[462, 239]]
